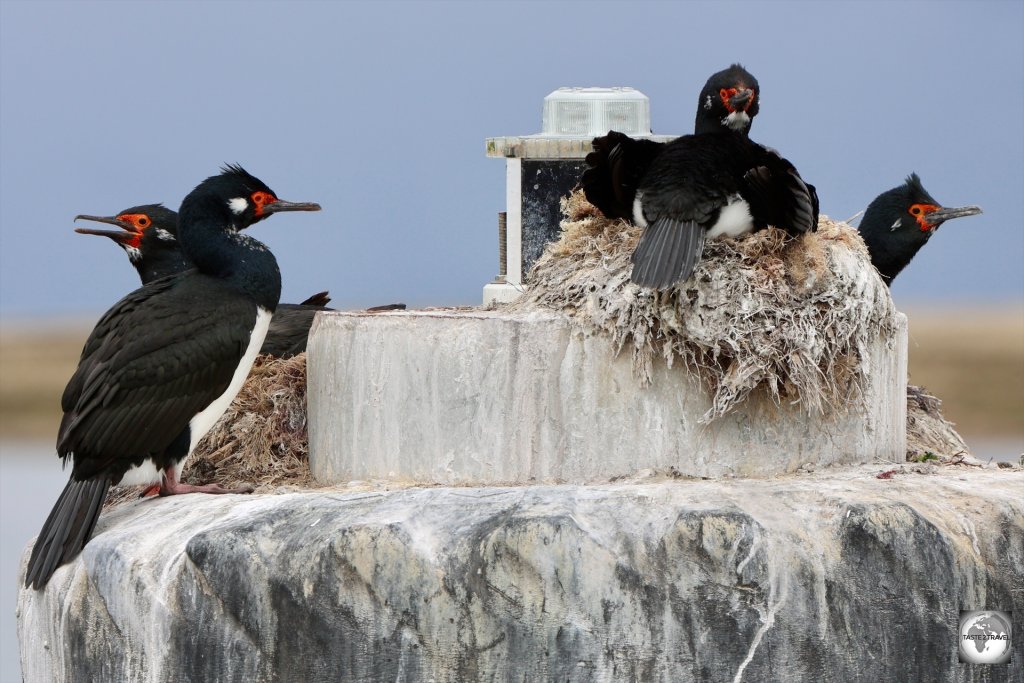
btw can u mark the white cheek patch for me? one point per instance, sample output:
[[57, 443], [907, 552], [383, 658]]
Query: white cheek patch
[[238, 204], [736, 120], [707, 102], [164, 235], [896, 225]]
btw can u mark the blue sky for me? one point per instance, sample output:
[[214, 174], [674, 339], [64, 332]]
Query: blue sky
[[379, 112]]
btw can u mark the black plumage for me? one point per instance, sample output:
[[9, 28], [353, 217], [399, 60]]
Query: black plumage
[[730, 99], [149, 237], [900, 221], [163, 363], [714, 182], [703, 186]]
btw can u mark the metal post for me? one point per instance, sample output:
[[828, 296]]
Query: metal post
[[502, 245]]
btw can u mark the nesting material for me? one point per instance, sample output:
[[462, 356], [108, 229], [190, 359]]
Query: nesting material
[[792, 316], [260, 441], [928, 432]]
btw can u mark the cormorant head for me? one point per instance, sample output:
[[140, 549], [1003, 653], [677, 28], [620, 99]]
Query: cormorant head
[[900, 221], [730, 98]]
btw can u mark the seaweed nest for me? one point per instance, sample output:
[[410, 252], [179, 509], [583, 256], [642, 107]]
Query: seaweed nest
[[792, 316], [260, 441], [930, 436]]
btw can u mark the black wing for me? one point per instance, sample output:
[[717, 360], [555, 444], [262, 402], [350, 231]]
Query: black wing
[[157, 358], [616, 167], [778, 196], [289, 330]]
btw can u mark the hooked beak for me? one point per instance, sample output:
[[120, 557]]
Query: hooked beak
[[741, 100], [128, 231], [943, 214], [281, 205]]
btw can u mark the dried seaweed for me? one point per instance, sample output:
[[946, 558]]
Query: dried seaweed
[[929, 434], [793, 316], [260, 441]]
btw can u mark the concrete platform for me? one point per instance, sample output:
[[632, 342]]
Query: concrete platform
[[480, 398], [833, 576]]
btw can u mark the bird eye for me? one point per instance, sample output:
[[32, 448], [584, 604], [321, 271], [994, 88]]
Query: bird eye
[[143, 221], [916, 210]]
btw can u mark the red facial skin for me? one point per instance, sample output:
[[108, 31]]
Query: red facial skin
[[728, 93], [920, 214], [139, 222], [262, 199]]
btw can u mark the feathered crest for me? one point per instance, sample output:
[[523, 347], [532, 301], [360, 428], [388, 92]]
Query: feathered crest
[[917, 191]]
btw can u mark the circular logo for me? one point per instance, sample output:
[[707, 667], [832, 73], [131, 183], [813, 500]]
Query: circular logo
[[984, 637]]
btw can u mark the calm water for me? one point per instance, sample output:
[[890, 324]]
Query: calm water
[[31, 479]]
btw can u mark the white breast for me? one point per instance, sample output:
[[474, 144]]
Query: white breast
[[638, 210], [146, 473], [733, 220], [204, 421]]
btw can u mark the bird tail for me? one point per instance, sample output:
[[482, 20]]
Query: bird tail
[[667, 253], [68, 528], [318, 299]]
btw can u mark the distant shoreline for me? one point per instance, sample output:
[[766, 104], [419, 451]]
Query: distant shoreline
[[972, 358]]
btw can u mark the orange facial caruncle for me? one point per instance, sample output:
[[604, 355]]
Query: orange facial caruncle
[[262, 199], [728, 93], [920, 213], [138, 223]]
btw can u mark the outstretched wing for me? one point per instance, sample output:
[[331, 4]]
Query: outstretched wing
[[778, 196], [616, 167]]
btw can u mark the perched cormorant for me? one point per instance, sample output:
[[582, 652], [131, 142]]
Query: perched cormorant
[[900, 221], [714, 182], [148, 236], [162, 365]]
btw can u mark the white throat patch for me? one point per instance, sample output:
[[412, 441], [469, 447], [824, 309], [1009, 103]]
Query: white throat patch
[[238, 204], [736, 120]]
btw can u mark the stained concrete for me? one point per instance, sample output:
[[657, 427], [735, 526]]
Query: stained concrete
[[457, 397], [834, 576]]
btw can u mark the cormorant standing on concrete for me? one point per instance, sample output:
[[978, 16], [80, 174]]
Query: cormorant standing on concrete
[[900, 221], [162, 365], [148, 236]]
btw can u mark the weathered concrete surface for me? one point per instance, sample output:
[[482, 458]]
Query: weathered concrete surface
[[833, 576], [420, 396]]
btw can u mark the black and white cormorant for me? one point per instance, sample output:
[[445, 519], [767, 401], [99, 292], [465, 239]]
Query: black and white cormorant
[[148, 236], [900, 221], [731, 98], [716, 182], [162, 365]]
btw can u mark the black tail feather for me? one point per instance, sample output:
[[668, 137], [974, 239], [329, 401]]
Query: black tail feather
[[386, 307], [66, 531], [318, 299], [667, 253]]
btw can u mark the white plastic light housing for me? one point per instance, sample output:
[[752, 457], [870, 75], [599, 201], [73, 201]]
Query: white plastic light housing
[[587, 112]]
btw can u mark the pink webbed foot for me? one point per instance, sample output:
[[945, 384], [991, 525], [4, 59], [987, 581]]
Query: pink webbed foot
[[172, 487], [150, 490]]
